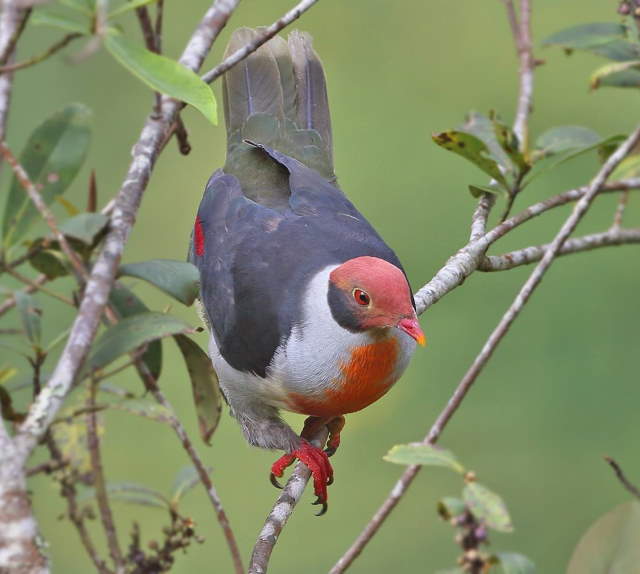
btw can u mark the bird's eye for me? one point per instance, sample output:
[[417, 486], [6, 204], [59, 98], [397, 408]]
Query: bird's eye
[[361, 297]]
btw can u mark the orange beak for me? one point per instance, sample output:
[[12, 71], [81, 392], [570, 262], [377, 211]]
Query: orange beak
[[412, 328]]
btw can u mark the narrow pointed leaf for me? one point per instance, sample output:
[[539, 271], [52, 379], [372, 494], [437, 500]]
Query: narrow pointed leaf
[[85, 227], [126, 303], [477, 190], [164, 75], [179, 279], [472, 149], [424, 454], [611, 543], [129, 492], [615, 75], [30, 316], [563, 138], [488, 507], [204, 384], [52, 157], [184, 481], [512, 563], [586, 36], [50, 262], [131, 333], [62, 20]]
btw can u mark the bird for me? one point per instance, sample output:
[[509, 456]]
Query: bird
[[308, 309]]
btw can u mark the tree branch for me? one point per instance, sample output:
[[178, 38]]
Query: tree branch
[[614, 236]]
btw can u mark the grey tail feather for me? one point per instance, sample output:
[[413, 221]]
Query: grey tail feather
[[283, 80], [311, 87]]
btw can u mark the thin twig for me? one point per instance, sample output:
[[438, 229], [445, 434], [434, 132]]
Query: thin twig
[[632, 488], [527, 64], [527, 255], [76, 515], [488, 349], [99, 483], [264, 35], [10, 302], [46, 467], [158, 24], [59, 45], [34, 285], [619, 214], [45, 212]]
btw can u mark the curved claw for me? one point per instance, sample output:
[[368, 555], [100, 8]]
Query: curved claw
[[274, 481], [324, 508], [330, 450], [330, 480]]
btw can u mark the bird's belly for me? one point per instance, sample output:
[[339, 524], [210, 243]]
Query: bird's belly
[[358, 377]]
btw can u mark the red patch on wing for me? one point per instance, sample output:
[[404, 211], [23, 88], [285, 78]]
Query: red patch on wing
[[365, 378], [198, 237]]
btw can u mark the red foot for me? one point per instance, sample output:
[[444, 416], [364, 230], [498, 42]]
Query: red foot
[[317, 462]]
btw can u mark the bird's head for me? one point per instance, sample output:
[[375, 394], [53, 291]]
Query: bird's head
[[367, 293]]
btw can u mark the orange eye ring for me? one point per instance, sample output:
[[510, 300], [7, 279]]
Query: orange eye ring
[[361, 297]]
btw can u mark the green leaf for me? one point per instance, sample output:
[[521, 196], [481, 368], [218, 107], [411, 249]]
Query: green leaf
[[450, 507], [127, 304], [483, 127], [164, 75], [610, 74], [629, 167], [131, 333], [179, 279], [30, 316], [50, 262], [563, 138], [618, 50], [487, 506], [129, 492], [185, 480], [85, 227], [472, 149], [52, 157], [204, 384], [611, 543], [586, 36], [144, 408], [62, 20], [424, 454], [132, 5], [621, 79], [512, 563], [604, 147]]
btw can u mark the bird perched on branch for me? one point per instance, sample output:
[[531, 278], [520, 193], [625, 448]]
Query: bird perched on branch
[[309, 310]]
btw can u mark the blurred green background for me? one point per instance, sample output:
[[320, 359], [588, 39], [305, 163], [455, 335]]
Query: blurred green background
[[561, 391]]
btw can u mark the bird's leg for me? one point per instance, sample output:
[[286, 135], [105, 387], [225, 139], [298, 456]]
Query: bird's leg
[[313, 457], [335, 426]]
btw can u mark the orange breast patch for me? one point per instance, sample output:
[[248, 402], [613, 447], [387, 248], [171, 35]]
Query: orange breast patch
[[365, 377]]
